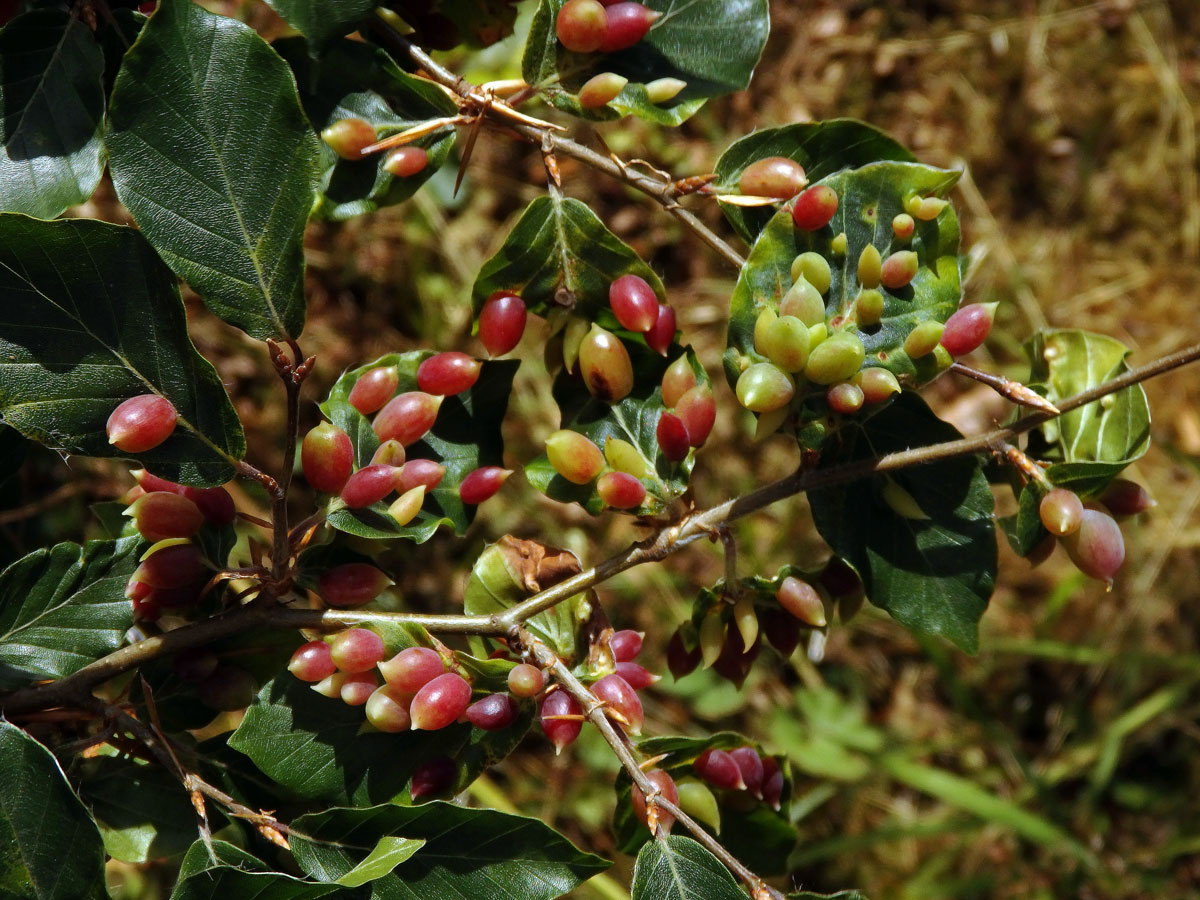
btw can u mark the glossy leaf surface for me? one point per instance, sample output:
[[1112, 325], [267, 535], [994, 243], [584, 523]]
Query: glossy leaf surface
[[678, 868]]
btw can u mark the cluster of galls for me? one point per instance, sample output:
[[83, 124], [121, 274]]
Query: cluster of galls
[[1090, 535], [327, 453], [348, 138], [562, 717], [173, 571], [801, 348], [728, 638]]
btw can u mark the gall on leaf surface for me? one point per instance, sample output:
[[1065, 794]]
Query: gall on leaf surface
[[64, 607], [560, 255], [52, 848], [822, 148], [753, 832], [869, 197], [933, 572], [462, 852], [52, 106], [713, 45], [354, 80], [90, 317], [465, 436], [512, 570], [219, 172], [633, 420], [318, 747]]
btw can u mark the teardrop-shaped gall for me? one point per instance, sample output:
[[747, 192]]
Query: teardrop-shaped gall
[[898, 270], [868, 308], [930, 208], [923, 338], [698, 410], [482, 484], [870, 265], [626, 644], [1125, 498], [171, 564], [877, 384], [750, 764], [698, 801], [493, 713], [813, 268], [368, 485], [772, 786], [622, 700], [581, 25], [624, 457], [405, 507], [620, 491], [374, 389], [389, 453], [1097, 548], [681, 660], [141, 423], [766, 317], [404, 162], [357, 688], [625, 25], [746, 619], [574, 456], [719, 769], [440, 702], [804, 302], [407, 417], [432, 778], [1061, 512], [352, 584], [764, 387], [844, 398], [525, 680], [420, 473], [387, 709], [356, 650], [600, 90], [605, 365], [312, 662], [561, 718], [327, 457], [802, 600], [903, 226], [815, 208], [348, 137], [634, 303], [672, 437], [502, 322], [412, 668], [660, 337], [447, 374], [773, 176], [665, 786], [785, 343], [660, 90], [968, 327], [160, 515], [573, 334], [677, 381]]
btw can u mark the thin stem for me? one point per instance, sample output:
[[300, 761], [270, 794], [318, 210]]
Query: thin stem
[[1010, 390], [594, 710]]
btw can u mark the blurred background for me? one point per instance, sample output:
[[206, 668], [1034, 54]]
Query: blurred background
[[920, 772]]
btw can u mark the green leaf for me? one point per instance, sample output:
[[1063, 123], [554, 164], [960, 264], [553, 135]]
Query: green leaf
[[210, 151], [467, 853], [388, 853], [966, 795], [230, 873], [511, 570], [465, 436], [559, 254], [51, 113], [90, 317], [323, 21], [822, 148], [316, 747], [934, 575], [678, 868], [633, 420], [355, 80], [869, 197], [63, 608], [1088, 446], [49, 846], [1025, 530], [713, 45], [142, 810]]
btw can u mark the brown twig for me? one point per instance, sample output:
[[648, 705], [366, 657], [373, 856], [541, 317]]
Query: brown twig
[[1008, 389]]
